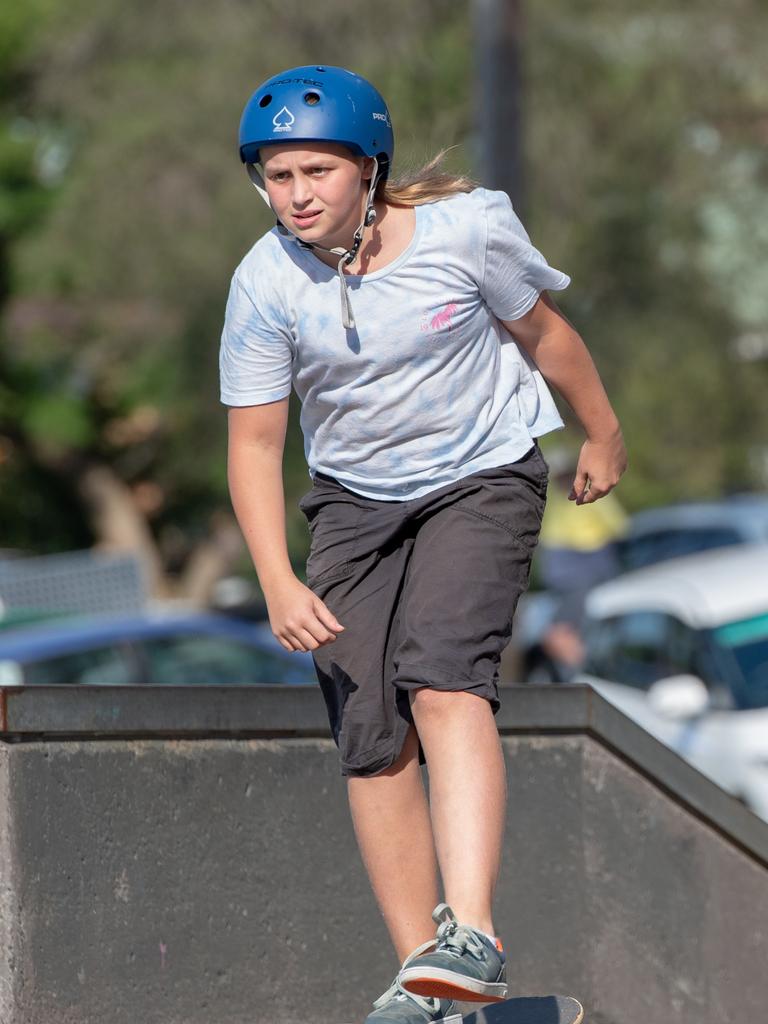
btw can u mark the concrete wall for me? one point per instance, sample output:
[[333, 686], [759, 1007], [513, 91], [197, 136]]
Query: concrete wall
[[211, 875]]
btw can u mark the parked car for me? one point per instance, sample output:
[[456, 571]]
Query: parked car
[[652, 536], [682, 648], [174, 649], [672, 531]]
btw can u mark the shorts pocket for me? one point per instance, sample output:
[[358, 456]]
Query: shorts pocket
[[512, 499], [333, 523]]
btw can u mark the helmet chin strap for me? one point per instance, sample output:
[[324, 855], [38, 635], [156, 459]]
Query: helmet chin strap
[[347, 255]]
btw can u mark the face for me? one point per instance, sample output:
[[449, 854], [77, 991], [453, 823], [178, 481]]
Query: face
[[317, 189]]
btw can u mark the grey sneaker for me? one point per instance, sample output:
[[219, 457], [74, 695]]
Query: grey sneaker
[[464, 965], [396, 1006]]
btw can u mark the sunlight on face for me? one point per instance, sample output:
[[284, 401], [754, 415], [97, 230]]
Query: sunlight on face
[[317, 189]]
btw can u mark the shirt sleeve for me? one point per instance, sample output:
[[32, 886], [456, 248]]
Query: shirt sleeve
[[256, 355], [514, 272]]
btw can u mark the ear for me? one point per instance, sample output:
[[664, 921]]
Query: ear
[[367, 168]]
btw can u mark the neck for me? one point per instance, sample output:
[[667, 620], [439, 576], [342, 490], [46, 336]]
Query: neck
[[369, 247]]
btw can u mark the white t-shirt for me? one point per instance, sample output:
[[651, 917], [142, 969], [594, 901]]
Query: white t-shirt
[[428, 387]]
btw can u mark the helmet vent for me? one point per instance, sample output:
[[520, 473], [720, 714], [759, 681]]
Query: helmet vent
[[311, 98], [319, 69], [265, 100]]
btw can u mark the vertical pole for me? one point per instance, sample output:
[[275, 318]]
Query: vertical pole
[[497, 33]]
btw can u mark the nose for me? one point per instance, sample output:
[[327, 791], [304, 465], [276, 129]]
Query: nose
[[302, 191]]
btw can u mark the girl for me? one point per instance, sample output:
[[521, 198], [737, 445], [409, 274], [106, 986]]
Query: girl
[[413, 320]]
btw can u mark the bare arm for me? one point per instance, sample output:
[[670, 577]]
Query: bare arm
[[564, 360], [299, 619]]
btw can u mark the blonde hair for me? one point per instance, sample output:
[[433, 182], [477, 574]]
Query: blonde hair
[[428, 184]]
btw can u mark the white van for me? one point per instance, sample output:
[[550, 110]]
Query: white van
[[682, 648]]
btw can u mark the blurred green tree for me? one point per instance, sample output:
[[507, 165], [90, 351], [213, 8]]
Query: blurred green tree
[[647, 130], [120, 293], [645, 136]]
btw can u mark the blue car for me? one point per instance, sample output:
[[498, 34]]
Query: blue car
[[657, 534], [168, 649]]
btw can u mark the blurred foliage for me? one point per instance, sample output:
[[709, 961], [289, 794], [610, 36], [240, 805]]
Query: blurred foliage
[[646, 143], [124, 210]]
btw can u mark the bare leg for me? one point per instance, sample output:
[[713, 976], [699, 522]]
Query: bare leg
[[468, 797], [391, 819]]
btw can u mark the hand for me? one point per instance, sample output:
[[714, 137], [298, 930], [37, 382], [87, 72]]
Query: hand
[[299, 619], [600, 467]]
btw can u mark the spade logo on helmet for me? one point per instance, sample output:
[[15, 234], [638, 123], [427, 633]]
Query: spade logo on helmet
[[283, 120]]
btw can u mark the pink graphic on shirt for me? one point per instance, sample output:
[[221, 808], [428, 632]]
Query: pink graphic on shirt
[[442, 319]]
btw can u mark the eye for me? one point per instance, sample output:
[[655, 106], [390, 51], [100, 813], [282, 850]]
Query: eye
[[278, 176], [319, 170]]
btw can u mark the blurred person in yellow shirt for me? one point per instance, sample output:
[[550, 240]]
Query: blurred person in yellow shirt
[[577, 550]]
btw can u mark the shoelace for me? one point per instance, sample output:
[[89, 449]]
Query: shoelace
[[396, 990], [454, 938]]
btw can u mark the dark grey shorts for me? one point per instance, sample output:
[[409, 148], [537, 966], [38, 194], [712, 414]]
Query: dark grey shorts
[[426, 589]]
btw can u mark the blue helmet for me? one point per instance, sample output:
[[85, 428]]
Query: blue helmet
[[318, 103]]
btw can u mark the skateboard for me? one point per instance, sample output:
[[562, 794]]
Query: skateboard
[[530, 1010]]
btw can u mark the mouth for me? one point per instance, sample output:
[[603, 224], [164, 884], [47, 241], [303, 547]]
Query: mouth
[[304, 220]]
